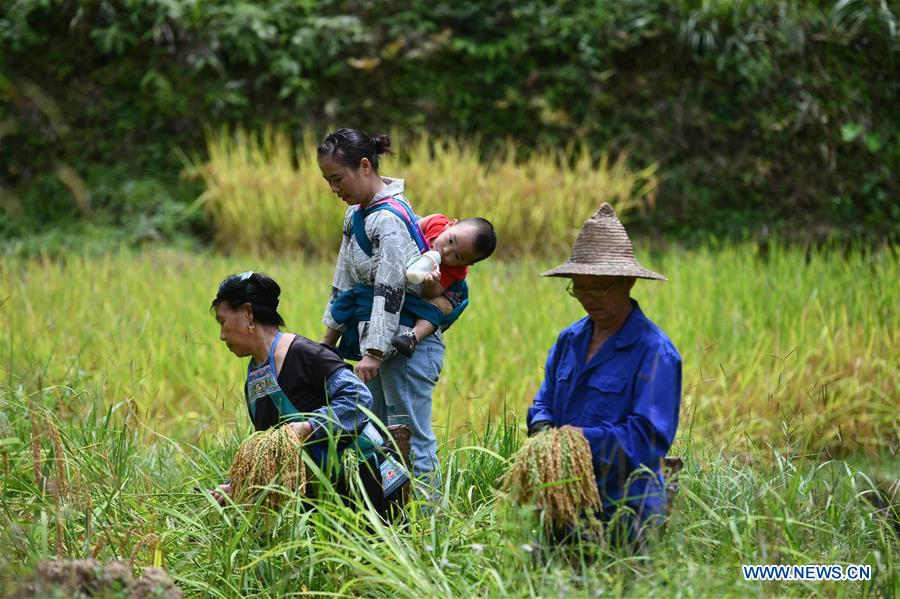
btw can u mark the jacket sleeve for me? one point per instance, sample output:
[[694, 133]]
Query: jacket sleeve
[[542, 406], [392, 250], [342, 414], [646, 434], [342, 280]]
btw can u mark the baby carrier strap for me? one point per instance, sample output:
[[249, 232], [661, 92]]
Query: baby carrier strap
[[400, 209]]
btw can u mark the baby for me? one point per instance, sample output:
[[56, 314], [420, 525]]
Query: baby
[[460, 244]]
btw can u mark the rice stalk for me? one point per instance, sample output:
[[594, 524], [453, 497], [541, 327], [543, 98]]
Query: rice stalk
[[536, 203], [59, 455], [267, 458], [149, 540], [553, 471], [37, 459], [350, 468]]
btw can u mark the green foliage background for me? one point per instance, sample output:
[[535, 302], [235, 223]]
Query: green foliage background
[[757, 112]]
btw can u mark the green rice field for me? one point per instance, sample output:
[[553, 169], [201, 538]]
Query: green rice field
[[789, 430]]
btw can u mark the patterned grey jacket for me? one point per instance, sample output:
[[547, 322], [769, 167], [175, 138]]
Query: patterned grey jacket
[[385, 270]]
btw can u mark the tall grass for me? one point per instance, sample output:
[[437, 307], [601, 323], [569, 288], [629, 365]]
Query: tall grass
[[789, 347], [137, 502], [788, 359], [262, 193]]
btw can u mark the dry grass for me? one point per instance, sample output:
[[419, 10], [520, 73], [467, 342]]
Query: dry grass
[[263, 194]]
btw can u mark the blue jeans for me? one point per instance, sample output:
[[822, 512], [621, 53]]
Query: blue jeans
[[401, 394]]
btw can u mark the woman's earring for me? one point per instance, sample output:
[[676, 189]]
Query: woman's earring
[[250, 325]]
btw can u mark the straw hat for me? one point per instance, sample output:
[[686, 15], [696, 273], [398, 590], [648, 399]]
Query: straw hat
[[603, 248]]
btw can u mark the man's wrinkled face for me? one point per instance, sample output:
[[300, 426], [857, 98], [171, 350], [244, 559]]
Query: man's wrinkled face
[[603, 297]]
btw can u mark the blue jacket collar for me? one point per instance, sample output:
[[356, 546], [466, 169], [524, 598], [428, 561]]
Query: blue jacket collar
[[625, 336], [632, 327]]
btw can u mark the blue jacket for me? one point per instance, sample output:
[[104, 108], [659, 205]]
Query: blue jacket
[[626, 400]]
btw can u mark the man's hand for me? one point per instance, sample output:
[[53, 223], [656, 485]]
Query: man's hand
[[367, 368], [539, 426]]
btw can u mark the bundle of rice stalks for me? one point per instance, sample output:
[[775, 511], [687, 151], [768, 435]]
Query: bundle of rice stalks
[[552, 471], [268, 458]]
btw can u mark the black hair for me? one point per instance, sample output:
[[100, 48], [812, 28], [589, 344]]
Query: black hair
[[349, 146], [485, 237], [254, 288]]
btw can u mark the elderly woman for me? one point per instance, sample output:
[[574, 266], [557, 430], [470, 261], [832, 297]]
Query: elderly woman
[[297, 382], [614, 373]]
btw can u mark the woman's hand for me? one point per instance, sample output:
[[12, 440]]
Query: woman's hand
[[303, 429], [221, 492], [367, 368]]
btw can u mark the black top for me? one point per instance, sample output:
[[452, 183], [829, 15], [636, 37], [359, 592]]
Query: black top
[[306, 368]]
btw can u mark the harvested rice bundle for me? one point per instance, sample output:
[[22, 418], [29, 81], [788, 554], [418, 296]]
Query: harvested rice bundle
[[266, 458], [553, 471]]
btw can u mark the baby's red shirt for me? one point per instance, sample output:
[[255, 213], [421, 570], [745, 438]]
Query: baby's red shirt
[[432, 226]]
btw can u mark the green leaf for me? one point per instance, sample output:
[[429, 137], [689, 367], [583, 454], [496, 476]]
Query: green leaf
[[873, 142], [850, 131]]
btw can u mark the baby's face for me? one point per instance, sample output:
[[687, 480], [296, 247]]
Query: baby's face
[[456, 244]]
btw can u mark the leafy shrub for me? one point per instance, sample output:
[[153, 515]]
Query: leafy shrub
[[756, 112]]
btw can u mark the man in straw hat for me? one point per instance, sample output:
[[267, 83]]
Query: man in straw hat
[[614, 374]]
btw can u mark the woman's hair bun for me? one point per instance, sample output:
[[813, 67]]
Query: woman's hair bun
[[255, 288], [382, 143], [349, 146]]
